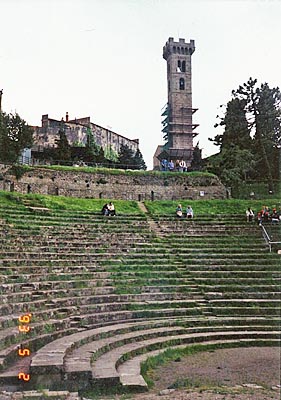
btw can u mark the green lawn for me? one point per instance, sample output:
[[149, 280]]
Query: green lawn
[[212, 207], [65, 203]]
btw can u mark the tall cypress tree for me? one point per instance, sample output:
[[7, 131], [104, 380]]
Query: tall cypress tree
[[63, 150], [139, 161], [126, 157]]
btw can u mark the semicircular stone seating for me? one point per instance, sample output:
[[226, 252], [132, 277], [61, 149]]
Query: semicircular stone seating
[[105, 293]]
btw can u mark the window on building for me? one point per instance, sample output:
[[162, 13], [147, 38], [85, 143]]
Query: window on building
[[183, 66], [181, 84], [174, 49]]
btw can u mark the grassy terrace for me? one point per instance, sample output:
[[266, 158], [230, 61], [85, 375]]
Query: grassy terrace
[[122, 288], [200, 207]]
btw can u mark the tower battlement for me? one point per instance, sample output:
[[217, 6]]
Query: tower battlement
[[180, 47]]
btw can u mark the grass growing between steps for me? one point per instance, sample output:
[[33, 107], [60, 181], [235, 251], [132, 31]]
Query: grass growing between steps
[[210, 207], [107, 392], [20, 201]]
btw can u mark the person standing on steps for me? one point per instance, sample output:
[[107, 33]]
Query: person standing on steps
[[171, 166]]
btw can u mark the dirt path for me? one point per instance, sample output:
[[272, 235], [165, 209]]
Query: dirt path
[[228, 369]]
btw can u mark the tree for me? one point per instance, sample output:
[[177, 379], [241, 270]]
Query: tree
[[139, 161], [196, 163], [232, 165], [63, 150], [236, 129], [252, 122], [126, 157], [263, 110], [15, 135]]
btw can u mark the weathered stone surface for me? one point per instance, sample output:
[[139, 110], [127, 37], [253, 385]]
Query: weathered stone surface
[[121, 186], [165, 392]]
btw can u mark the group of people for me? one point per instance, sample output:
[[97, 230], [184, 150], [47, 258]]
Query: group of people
[[178, 165], [108, 209], [188, 213], [264, 215]]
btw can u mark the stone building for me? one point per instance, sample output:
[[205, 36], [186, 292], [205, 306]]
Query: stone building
[[178, 127], [77, 131]]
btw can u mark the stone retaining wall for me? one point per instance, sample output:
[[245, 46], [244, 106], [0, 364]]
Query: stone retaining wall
[[115, 186]]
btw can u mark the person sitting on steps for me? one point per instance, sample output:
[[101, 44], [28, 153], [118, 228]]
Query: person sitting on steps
[[111, 209], [179, 211], [250, 214], [104, 209], [189, 212]]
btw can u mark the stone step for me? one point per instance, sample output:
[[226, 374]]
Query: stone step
[[99, 294], [105, 367], [130, 370], [130, 301]]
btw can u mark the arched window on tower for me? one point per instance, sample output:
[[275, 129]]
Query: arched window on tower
[[179, 66], [181, 84], [174, 49], [183, 66]]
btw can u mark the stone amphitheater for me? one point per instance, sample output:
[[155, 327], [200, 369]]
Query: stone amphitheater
[[95, 296]]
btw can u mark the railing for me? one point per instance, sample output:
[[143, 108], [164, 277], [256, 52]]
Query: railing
[[267, 238]]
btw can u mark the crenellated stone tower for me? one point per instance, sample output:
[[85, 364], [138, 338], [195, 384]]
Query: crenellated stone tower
[[178, 127]]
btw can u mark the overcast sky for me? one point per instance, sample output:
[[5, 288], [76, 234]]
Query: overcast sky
[[103, 59]]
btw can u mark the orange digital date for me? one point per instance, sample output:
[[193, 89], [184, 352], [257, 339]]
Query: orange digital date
[[25, 377], [25, 318], [23, 352], [24, 328]]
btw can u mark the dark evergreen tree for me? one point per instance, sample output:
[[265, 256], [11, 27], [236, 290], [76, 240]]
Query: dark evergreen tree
[[139, 161], [126, 157], [252, 122], [15, 135], [236, 129], [233, 165], [264, 119], [63, 149], [93, 152], [196, 163]]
